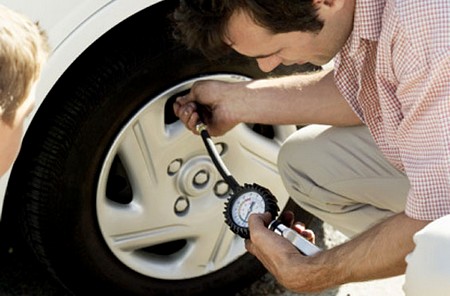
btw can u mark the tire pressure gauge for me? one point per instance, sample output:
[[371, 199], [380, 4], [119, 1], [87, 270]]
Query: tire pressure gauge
[[245, 200], [249, 199]]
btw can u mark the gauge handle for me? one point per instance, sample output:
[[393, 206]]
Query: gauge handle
[[215, 157], [302, 244]]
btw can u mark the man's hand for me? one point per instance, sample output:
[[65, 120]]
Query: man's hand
[[219, 102], [277, 254]]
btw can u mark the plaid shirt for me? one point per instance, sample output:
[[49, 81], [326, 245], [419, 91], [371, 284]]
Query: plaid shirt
[[395, 73]]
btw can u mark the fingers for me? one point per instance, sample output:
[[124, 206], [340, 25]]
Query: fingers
[[183, 110], [209, 101], [257, 224], [306, 233], [259, 220], [187, 112], [287, 218], [259, 232], [188, 107]]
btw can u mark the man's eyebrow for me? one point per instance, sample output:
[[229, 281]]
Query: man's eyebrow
[[232, 45], [262, 56]]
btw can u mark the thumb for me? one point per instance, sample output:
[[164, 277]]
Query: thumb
[[259, 220]]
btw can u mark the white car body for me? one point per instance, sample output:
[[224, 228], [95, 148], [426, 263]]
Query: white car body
[[71, 27]]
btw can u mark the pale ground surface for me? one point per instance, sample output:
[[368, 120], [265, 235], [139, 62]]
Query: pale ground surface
[[327, 238], [388, 287]]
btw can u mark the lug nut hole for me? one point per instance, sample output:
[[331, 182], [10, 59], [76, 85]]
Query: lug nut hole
[[181, 205], [174, 167], [221, 189]]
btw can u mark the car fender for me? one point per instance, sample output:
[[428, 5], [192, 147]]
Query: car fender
[[71, 29]]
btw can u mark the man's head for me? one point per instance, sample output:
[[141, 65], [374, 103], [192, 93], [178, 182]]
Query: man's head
[[202, 24], [305, 30], [23, 51]]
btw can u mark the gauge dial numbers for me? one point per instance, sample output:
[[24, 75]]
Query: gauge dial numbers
[[248, 203]]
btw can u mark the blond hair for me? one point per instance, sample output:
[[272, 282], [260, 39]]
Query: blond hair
[[23, 51]]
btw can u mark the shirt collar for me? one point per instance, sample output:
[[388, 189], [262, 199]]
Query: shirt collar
[[368, 18], [366, 24]]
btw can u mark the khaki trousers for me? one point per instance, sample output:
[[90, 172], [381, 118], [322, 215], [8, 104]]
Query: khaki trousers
[[340, 176]]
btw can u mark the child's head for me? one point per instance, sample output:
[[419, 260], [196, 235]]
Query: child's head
[[23, 51]]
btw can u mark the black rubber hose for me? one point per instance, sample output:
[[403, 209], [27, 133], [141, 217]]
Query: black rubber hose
[[216, 159]]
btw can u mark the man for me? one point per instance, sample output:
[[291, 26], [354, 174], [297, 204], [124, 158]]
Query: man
[[23, 50], [378, 165]]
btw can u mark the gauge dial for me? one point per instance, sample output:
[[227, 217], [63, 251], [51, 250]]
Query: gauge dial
[[246, 201], [246, 204]]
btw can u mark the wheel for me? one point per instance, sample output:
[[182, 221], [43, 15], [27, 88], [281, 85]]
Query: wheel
[[117, 196]]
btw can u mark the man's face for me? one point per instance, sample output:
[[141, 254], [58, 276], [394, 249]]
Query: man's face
[[11, 136], [271, 50]]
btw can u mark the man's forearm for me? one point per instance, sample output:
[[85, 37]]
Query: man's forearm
[[298, 99]]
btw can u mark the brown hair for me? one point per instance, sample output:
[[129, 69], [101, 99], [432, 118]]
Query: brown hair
[[202, 24], [23, 51]]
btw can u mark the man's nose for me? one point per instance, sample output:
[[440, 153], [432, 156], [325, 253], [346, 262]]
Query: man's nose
[[269, 63]]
